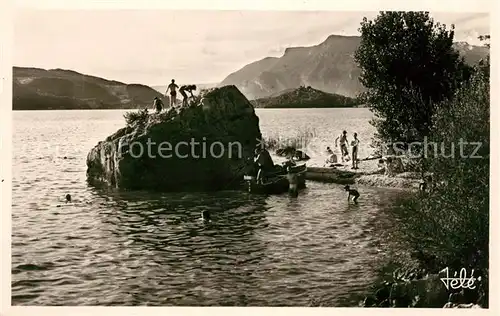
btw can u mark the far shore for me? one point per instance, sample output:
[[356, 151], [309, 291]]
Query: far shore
[[131, 109]]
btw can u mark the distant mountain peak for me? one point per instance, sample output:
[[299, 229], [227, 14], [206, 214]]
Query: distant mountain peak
[[338, 36], [66, 70], [269, 58], [289, 50], [328, 66]]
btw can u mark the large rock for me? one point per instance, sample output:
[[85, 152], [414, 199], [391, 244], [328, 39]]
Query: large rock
[[218, 118]]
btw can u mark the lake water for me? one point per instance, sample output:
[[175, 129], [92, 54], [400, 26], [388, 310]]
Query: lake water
[[139, 248]]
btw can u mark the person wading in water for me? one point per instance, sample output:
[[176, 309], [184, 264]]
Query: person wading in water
[[264, 163], [352, 192], [173, 92], [293, 182], [188, 88]]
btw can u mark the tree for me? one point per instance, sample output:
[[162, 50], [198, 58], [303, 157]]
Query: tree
[[484, 64], [485, 38], [408, 67]]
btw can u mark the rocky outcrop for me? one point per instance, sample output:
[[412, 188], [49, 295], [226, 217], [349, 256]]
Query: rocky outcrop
[[206, 146]]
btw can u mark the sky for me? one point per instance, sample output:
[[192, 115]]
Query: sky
[[153, 46]]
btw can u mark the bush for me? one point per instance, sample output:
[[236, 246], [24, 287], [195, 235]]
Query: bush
[[418, 86], [134, 118], [460, 200], [449, 226], [300, 141]]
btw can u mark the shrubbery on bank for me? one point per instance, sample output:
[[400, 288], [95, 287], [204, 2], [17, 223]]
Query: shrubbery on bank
[[447, 226]]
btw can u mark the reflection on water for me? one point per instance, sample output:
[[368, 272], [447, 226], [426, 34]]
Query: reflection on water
[[140, 248]]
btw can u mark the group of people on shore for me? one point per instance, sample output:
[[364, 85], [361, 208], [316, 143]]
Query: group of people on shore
[[344, 151], [265, 165], [158, 103]]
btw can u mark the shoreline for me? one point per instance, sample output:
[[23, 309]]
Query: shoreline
[[368, 174]]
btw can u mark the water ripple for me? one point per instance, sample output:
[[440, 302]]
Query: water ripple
[[140, 248]]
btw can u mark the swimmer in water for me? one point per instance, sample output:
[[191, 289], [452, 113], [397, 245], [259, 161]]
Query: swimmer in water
[[293, 182], [68, 198], [205, 215], [353, 193]]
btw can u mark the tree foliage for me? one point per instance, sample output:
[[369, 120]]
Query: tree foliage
[[484, 64], [408, 66], [136, 117]]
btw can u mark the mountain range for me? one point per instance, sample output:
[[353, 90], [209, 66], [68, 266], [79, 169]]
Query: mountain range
[[40, 89], [328, 66]]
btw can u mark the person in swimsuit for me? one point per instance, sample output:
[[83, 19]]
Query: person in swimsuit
[[331, 158], [354, 145], [173, 92], [157, 104], [293, 182], [205, 216], [343, 145], [354, 193], [264, 163], [188, 88]]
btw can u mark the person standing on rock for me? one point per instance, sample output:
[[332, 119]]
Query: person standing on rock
[[157, 104], [343, 146], [173, 92], [188, 88]]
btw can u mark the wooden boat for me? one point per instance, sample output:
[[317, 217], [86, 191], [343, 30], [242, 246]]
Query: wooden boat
[[332, 175], [276, 183]]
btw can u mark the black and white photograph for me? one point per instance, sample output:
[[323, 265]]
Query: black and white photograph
[[183, 157]]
